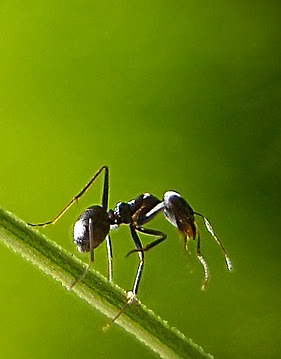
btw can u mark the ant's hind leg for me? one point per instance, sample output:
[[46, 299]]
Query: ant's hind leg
[[109, 258], [91, 241], [80, 194]]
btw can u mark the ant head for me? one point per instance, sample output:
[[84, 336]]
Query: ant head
[[94, 224], [179, 213]]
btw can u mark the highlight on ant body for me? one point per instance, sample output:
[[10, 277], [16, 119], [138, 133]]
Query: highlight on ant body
[[93, 227]]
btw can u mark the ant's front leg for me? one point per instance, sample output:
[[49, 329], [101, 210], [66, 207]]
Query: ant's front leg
[[148, 213], [202, 260]]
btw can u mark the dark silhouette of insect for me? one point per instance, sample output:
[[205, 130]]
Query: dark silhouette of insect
[[93, 227]]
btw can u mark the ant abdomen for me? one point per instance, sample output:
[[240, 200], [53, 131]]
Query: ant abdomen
[[93, 225]]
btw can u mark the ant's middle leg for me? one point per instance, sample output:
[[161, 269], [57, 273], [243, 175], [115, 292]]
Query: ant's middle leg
[[152, 244], [138, 244], [131, 295]]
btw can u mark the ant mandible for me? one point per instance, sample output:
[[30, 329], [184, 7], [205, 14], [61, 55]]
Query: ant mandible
[[93, 227]]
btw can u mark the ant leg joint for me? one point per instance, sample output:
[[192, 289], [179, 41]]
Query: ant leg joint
[[131, 297]]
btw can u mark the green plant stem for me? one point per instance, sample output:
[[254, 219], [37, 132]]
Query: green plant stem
[[96, 290]]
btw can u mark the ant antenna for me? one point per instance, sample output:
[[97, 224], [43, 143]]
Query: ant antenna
[[211, 231]]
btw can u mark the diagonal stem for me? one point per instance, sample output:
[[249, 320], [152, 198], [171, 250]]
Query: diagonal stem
[[108, 298]]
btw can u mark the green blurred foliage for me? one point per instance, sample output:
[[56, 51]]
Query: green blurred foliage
[[180, 95]]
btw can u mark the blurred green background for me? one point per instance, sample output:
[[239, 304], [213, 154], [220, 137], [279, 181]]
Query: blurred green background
[[170, 95]]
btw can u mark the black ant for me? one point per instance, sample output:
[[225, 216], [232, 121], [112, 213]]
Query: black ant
[[93, 227]]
